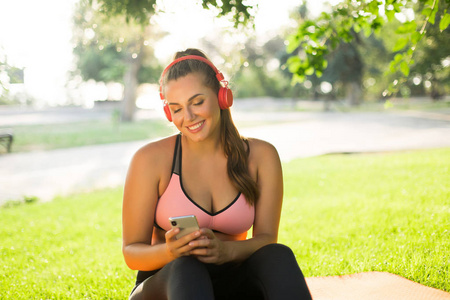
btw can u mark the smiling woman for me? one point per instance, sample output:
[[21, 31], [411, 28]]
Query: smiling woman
[[198, 115], [228, 182]]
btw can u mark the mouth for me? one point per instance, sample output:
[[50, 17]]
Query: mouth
[[196, 126]]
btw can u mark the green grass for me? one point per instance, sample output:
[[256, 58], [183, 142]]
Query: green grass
[[53, 136], [66, 249], [342, 214], [378, 212]]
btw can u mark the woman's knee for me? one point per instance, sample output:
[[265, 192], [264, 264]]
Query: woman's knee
[[272, 257], [188, 279], [275, 250], [187, 269], [186, 264]]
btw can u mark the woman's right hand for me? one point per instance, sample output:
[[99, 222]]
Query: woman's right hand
[[177, 248]]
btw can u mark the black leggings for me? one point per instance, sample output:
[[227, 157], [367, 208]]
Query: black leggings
[[271, 273]]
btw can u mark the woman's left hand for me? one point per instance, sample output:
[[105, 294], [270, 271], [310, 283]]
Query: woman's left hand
[[209, 249]]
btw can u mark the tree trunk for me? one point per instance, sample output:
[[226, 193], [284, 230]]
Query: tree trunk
[[131, 84], [354, 93]]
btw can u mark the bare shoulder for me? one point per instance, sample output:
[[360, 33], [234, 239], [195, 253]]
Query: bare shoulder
[[262, 150], [157, 150], [263, 158]]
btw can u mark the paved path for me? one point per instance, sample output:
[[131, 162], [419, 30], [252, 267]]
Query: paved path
[[50, 173]]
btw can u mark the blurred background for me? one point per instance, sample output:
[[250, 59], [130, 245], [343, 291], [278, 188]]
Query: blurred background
[[69, 53], [81, 73]]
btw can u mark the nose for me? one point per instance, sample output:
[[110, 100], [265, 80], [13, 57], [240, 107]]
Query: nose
[[189, 114]]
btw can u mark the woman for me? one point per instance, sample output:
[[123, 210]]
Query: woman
[[229, 183]]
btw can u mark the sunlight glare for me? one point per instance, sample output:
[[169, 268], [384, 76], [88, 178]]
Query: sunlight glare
[[36, 36]]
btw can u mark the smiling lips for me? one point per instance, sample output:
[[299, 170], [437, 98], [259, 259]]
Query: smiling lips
[[196, 126]]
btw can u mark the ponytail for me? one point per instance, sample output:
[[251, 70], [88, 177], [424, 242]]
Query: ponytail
[[237, 158]]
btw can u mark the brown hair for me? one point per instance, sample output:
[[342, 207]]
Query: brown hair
[[232, 141]]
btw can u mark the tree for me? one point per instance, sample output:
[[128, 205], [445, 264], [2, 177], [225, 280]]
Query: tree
[[431, 73], [140, 11], [317, 38], [260, 73], [10, 75], [111, 49], [344, 66], [113, 41]]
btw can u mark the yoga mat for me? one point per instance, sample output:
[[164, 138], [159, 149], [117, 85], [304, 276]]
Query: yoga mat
[[371, 286]]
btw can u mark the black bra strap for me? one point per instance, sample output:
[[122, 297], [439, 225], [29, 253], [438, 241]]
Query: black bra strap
[[176, 165]]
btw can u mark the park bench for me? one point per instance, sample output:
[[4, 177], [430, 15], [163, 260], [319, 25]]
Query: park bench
[[6, 138]]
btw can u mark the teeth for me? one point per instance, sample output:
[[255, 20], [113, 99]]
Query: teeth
[[196, 126]]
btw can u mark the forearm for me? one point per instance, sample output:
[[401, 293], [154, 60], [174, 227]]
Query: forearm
[[241, 250], [144, 257]]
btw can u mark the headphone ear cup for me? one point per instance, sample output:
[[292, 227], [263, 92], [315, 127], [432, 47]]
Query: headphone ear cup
[[225, 98], [167, 111]]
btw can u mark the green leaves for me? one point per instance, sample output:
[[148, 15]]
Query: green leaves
[[349, 18], [430, 10], [140, 11], [407, 27], [445, 22], [404, 67], [400, 44], [314, 39]]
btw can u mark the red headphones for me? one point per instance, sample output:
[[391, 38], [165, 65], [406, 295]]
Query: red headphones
[[225, 95]]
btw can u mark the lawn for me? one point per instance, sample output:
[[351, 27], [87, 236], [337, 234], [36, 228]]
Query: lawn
[[66, 135], [342, 214]]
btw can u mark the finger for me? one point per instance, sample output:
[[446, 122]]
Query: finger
[[182, 245], [189, 237], [207, 259], [170, 235], [201, 252], [201, 243], [177, 248], [208, 233]]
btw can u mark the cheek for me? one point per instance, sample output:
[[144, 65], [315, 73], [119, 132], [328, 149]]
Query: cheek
[[213, 106], [177, 120]]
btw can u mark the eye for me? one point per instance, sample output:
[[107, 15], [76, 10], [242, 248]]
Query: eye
[[199, 102], [176, 110]]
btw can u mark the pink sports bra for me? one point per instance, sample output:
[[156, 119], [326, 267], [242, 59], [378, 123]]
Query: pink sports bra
[[235, 219]]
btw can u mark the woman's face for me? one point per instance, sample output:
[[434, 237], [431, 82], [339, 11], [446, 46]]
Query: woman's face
[[194, 107]]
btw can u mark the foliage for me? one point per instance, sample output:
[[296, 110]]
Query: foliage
[[138, 11], [115, 48], [12, 75], [432, 60], [260, 74], [336, 218], [104, 45], [3, 89], [141, 10], [316, 38]]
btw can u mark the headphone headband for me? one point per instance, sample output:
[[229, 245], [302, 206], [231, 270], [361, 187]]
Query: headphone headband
[[219, 75]]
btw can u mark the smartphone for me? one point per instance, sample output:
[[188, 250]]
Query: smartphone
[[187, 224]]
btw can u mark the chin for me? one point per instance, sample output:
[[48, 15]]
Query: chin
[[195, 137]]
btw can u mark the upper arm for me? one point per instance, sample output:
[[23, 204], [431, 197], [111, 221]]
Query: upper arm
[[270, 183], [140, 196]]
